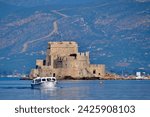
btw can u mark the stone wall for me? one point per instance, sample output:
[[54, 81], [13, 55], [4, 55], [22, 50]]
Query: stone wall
[[62, 48], [97, 70]]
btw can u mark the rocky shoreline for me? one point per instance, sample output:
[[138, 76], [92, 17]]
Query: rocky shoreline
[[89, 78]]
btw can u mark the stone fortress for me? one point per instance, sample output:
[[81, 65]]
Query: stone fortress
[[63, 60]]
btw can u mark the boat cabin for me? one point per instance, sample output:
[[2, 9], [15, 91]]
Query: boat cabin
[[44, 79]]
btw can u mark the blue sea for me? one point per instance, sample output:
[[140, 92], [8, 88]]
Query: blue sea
[[15, 89]]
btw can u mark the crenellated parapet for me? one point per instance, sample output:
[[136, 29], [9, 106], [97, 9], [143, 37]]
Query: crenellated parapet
[[63, 47]]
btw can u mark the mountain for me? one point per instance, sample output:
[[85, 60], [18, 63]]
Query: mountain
[[33, 3], [115, 32]]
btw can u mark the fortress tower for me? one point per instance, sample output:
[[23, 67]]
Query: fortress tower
[[64, 60]]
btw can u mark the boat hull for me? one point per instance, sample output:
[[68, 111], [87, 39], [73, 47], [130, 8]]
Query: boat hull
[[45, 85]]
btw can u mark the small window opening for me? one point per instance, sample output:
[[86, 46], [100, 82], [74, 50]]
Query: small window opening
[[94, 71], [53, 74]]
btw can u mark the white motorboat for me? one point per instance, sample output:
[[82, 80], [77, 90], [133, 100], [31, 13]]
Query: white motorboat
[[44, 82]]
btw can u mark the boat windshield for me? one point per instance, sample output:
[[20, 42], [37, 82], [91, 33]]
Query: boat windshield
[[37, 80], [43, 79], [48, 79], [53, 79]]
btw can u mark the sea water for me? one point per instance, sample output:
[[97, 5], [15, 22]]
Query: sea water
[[15, 89]]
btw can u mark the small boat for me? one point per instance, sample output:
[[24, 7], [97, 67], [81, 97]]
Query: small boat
[[44, 82]]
